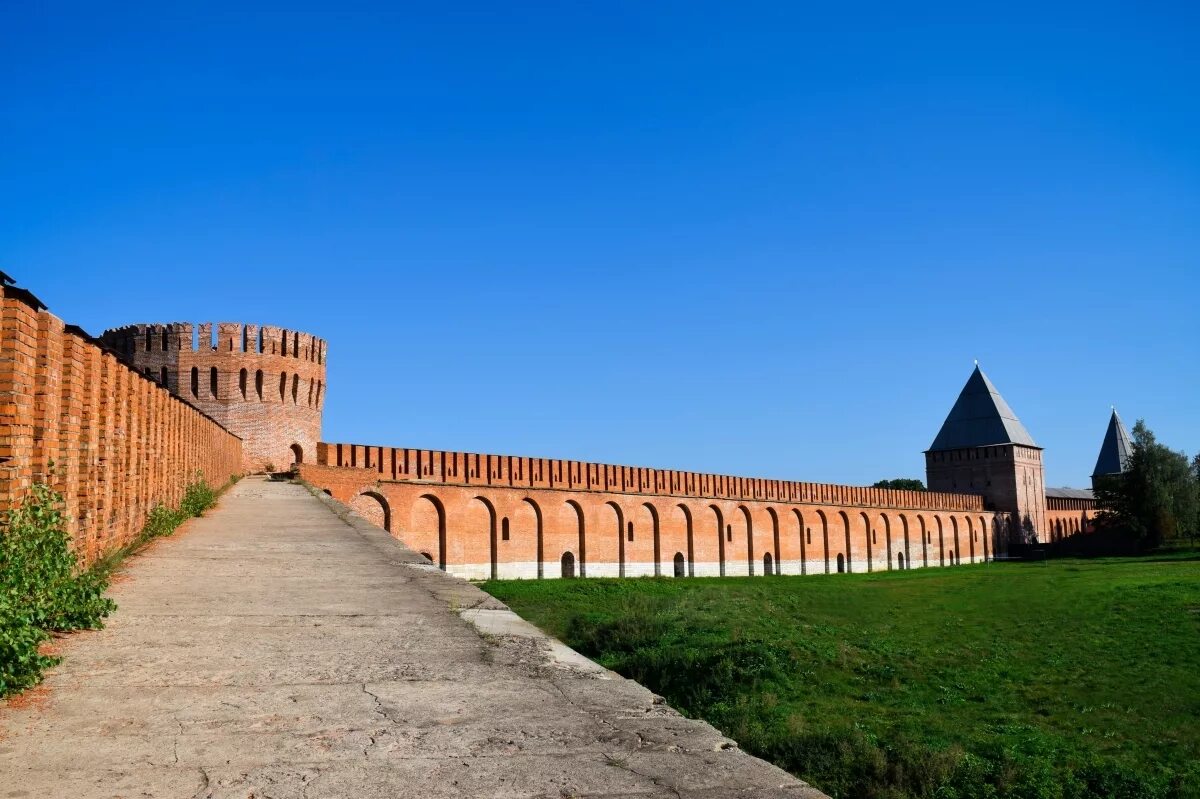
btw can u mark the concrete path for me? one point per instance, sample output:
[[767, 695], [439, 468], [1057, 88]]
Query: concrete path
[[281, 647]]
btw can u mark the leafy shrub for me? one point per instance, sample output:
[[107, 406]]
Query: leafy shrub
[[197, 498], [42, 588], [162, 521]]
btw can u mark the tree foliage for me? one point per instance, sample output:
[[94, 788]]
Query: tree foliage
[[901, 484], [1157, 498]]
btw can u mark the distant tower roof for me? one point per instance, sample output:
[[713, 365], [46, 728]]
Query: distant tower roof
[[980, 418], [1116, 449]]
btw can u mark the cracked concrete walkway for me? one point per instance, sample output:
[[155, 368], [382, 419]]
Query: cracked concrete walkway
[[282, 647]]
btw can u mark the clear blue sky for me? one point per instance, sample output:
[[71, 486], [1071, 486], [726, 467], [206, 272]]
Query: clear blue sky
[[760, 239]]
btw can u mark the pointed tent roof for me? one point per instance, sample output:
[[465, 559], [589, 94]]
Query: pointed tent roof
[[1116, 449], [980, 417]]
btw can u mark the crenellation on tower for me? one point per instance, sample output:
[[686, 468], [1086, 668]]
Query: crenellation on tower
[[254, 379]]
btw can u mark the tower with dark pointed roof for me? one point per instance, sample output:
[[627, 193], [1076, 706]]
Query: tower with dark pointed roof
[[983, 448], [1114, 452]]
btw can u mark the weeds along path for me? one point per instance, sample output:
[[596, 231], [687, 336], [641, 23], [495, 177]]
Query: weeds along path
[[275, 648]]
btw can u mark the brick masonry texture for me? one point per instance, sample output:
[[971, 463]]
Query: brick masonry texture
[[113, 442], [1067, 516], [265, 384], [481, 516]]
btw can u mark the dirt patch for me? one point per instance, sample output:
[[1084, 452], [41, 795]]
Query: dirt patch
[[35, 698]]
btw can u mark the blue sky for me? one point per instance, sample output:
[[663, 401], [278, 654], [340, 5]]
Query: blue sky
[[759, 239]]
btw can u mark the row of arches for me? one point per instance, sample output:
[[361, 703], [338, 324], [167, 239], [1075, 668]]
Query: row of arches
[[502, 534], [1061, 528]]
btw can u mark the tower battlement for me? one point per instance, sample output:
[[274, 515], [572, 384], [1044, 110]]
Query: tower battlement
[[262, 382], [216, 336]]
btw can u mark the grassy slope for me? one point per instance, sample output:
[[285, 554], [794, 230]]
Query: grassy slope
[[1036, 666]]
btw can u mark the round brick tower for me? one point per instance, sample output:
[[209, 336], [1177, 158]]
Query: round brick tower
[[265, 384]]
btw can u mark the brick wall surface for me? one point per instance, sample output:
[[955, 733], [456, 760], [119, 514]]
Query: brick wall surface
[[1066, 516], [114, 443], [265, 384], [480, 516]]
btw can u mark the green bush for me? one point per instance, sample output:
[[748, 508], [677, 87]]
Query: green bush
[[162, 521], [197, 498], [42, 588]]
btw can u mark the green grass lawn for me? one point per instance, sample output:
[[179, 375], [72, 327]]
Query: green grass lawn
[[1068, 678]]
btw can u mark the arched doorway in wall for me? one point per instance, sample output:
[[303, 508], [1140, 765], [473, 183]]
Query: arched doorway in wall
[[622, 533], [679, 565], [297, 454], [749, 522], [957, 543], [568, 565], [481, 525], [900, 561], [425, 528], [871, 537], [941, 541], [690, 558], [719, 519], [841, 563], [924, 541], [805, 535], [374, 508], [775, 539], [581, 533], [824, 537], [768, 565], [887, 539], [529, 526]]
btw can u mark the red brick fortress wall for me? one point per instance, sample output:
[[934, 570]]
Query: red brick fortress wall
[[480, 516], [112, 442], [1066, 516], [263, 383]]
